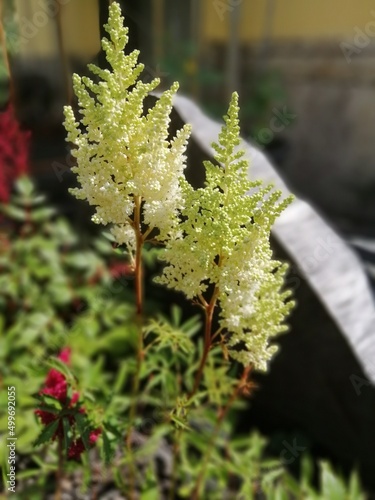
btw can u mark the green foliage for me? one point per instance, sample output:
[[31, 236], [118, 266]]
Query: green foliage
[[53, 292]]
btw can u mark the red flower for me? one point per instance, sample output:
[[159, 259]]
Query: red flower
[[14, 152], [77, 447], [45, 416], [56, 386], [64, 355], [94, 435]]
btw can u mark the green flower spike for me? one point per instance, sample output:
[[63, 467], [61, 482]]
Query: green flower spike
[[225, 242]]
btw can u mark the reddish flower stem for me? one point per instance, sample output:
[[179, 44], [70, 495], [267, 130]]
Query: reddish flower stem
[[140, 352], [138, 257], [209, 312]]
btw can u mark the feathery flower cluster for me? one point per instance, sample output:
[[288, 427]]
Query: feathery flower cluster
[[224, 241], [123, 155], [56, 386], [217, 236], [14, 152]]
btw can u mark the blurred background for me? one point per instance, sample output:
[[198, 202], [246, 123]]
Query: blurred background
[[304, 70]]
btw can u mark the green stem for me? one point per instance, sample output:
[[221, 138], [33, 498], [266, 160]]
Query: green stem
[[176, 447], [59, 471], [221, 415]]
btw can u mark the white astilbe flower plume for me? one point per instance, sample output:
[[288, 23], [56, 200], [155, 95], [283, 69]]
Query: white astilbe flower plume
[[121, 153], [224, 242]]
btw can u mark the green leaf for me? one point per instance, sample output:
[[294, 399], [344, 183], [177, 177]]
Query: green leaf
[[60, 366], [81, 260], [107, 449], [67, 434], [355, 487], [332, 486], [49, 409], [150, 494], [121, 377], [25, 474], [47, 433], [24, 185], [14, 212], [84, 429], [180, 423], [176, 314], [113, 428], [42, 214], [29, 201], [108, 236], [103, 246]]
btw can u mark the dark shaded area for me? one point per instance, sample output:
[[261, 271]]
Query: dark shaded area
[[315, 395]]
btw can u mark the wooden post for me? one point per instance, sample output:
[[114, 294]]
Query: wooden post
[[233, 50], [195, 33], [5, 55], [158, 30], [64, 59]]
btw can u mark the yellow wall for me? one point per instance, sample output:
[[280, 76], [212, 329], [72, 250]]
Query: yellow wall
[[37, 34], [38, 27], [81, 28], [291, 18]]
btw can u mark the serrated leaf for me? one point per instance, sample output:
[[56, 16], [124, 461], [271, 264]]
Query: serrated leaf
[[47, 433], [84, 429], [113, 429], [67, 436], [60, 366], [180, 422], [107, 450], [49, 409]]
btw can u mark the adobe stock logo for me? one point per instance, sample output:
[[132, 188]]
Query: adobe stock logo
[[29, 27], [280, 120], [362, 38], [291, 451], [358, 381]]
